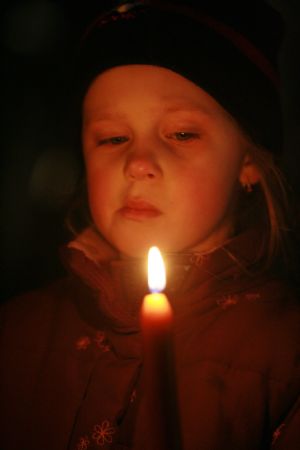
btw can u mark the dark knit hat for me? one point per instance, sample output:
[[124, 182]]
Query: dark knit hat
[[209, 53]]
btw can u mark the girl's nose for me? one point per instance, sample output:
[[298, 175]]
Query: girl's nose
[[141, 167]]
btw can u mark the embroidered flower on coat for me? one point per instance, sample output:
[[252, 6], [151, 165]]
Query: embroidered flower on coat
[[199, 258], [83, 342], [83, 443], [103, 433], [101, 342], [227, 301]]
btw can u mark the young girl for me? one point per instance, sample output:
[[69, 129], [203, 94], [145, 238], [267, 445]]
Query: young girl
[[180, 126]]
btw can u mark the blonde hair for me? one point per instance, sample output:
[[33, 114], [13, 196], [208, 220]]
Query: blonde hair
[[271, 199]]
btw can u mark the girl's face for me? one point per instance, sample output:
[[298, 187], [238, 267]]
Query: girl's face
[[163, 161]]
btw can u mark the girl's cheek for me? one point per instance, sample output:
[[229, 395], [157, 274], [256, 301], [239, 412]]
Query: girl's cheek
[[93, 160], [94, 177]]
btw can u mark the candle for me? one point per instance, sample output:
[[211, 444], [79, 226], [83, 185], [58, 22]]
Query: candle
[[159, 370]]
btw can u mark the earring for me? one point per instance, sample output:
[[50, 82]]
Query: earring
[[248, 187]]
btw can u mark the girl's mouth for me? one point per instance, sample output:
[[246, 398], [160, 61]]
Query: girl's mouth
[[138, 210]]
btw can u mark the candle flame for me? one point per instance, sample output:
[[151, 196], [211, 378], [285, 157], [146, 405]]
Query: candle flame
[[156, 271]]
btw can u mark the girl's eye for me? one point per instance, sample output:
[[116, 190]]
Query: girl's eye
[[115, 140], [184, 135]]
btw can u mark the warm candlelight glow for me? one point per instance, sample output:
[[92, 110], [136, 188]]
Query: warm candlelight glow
[[156, 271], [156, 303]]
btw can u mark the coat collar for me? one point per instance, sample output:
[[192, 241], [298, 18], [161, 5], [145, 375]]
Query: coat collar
[[118, 286]]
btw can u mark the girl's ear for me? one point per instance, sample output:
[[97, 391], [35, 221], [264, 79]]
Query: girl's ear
[[249, 173]]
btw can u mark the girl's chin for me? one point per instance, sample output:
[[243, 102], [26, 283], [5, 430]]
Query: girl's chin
[[134, 252], [138, 245], [135, 245], [138, 250]]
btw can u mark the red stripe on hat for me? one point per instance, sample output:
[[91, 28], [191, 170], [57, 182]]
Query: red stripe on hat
[[242, 43], [237, 39]]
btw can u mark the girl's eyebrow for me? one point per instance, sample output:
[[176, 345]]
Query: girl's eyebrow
[[93, 116], [182, 106]]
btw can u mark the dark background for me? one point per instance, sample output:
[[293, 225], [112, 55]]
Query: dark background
[[39, 167]]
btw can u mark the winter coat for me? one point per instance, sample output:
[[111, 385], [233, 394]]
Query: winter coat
[[72, 359]]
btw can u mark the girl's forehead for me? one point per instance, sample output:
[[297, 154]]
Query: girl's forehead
[[156, 87], [145, 74]]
